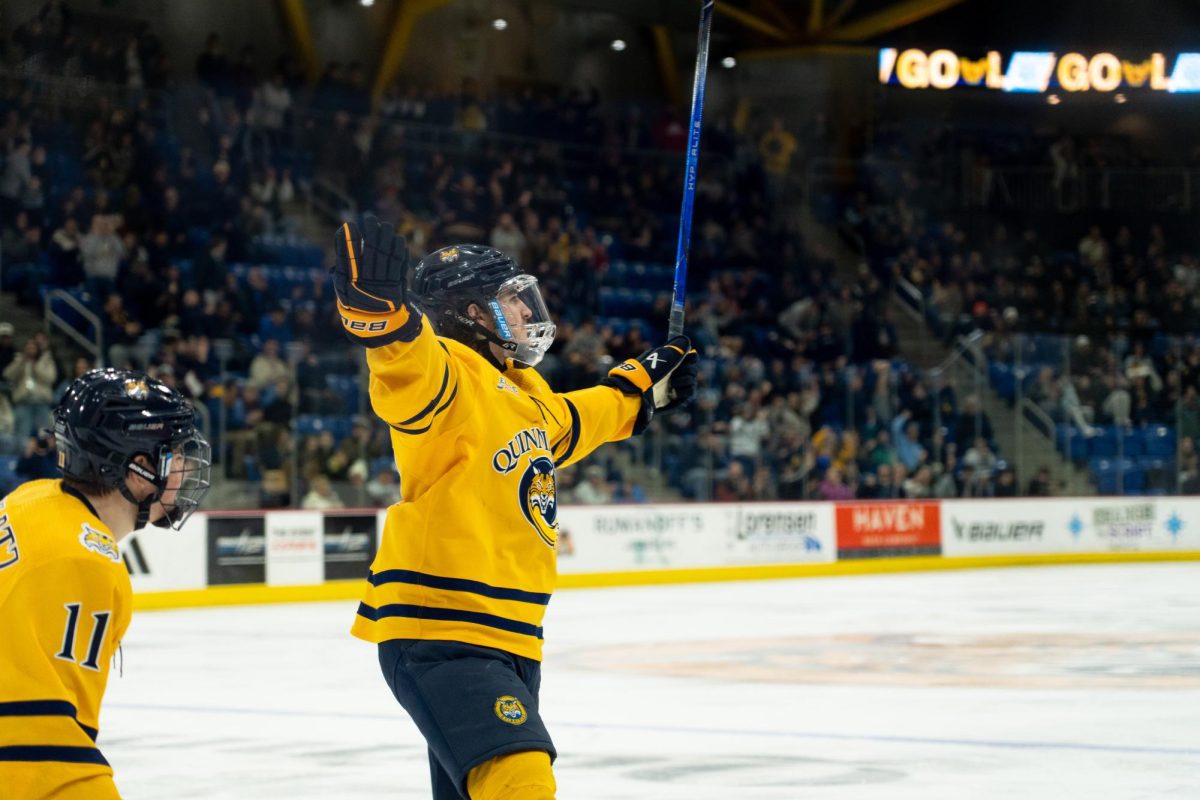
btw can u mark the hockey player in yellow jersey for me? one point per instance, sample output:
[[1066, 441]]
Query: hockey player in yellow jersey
[[466, 566], [129, 454]]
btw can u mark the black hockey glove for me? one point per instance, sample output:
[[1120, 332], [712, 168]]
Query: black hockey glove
[[665, 377], [369, 278]]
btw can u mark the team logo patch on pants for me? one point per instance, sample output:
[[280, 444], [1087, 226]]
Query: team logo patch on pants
[[510, 710]]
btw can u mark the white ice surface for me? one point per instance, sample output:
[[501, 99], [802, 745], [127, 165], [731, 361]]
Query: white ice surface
[[1026, 684]]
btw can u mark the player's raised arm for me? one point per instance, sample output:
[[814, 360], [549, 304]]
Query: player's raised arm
[[413, 380], [658, 381]]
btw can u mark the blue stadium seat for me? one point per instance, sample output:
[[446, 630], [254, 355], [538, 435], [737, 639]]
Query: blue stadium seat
[[1158, 440], [308, 424], [1003, 380], [1071, 442], [1132, 443], [1117, 476], [1104, 445], [346, 387]]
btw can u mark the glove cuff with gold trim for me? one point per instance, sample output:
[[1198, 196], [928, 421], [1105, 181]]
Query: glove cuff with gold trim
[[376, 330]]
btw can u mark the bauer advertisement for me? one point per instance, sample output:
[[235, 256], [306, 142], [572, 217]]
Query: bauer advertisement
[[1008, 527]]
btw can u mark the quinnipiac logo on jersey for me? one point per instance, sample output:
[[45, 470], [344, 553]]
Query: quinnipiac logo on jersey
[[509, 709], [539, 500], [537, 489], [99, 542]]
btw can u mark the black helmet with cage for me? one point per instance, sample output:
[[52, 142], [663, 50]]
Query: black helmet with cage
[[109, 417], [447, 282]]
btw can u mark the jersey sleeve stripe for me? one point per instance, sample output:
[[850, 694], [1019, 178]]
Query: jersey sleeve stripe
[[443, 407], [45, 708], [46, 752], [432, 403], [448, 615], [457, 585], [566, 456]]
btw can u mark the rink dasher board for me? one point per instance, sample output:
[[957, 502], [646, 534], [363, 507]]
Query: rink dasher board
[[224, 558]]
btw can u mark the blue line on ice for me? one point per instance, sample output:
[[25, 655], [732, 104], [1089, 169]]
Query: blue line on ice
[[1003, 743]]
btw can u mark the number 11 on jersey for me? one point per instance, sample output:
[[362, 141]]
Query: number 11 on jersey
[[99, 625]]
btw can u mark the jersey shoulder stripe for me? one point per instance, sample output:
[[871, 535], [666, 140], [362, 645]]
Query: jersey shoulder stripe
[[443, 407], [437, 398]]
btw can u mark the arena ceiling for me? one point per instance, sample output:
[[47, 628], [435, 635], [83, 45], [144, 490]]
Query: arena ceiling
[[793, 27]]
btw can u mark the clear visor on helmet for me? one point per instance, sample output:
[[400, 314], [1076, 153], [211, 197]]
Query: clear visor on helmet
[[523, 319], [186, 470]]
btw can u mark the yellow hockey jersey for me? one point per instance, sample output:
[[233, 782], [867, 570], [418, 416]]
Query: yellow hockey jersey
[[470, 553], [65, 601]]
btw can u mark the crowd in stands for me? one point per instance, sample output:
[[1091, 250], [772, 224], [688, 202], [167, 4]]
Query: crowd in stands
[[1098, 331], [180, 231]]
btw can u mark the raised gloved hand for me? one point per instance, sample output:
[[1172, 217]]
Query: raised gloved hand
[[370, 279], [665, 377]]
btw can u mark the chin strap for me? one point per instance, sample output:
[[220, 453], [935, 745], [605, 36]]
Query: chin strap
[[144, 505], [485, 335]]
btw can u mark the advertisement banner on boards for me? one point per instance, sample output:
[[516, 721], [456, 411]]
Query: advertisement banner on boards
[[1177, 526], [620, 538], [295, 555], [163, 560], [789, 533], [1004, 527], [1069, 525], [1135, 524], [879, 529], [350, 544], [237, 551]]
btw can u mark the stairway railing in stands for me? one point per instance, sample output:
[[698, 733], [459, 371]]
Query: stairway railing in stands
[[94, 345]]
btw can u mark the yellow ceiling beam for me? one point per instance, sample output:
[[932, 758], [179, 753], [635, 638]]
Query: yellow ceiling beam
[[394, 50], [752, 21], [782, 18], [297, 22], [816, 13], [839, 13], [668, 70], [889, 19]]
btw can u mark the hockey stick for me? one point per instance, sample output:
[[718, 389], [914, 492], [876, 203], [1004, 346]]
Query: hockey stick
[[675, 326]]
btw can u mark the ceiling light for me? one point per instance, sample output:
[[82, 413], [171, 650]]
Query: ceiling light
[[499, 23], [618, 45], [728, 62]]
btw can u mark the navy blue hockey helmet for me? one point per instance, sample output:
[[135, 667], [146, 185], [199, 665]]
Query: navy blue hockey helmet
[[447, 282], [108, 417]]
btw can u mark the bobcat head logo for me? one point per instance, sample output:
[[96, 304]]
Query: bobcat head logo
[[511, 710], [539, 500]]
